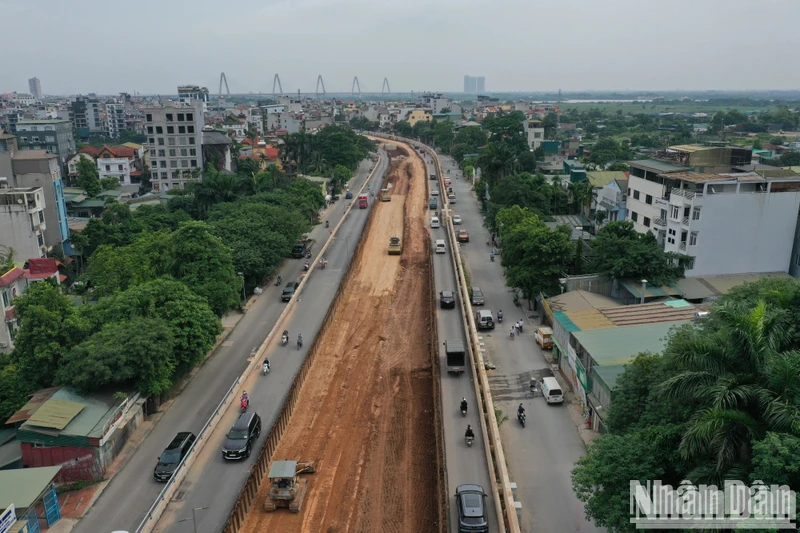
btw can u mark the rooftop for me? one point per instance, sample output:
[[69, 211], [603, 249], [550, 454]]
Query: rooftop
[[609, 374], [696, 177], [603, 178], [43, 121], [654, 165], [23, 486], [616, 346], [579, 300], [30, 155], [66, 418]]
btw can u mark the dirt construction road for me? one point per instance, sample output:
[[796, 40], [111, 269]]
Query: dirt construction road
[[366, 410]]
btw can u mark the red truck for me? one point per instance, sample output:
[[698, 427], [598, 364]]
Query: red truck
[[362, 201]]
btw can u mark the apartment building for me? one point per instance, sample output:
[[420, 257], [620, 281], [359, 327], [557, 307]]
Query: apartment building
[[35, 87], [22, 220], [435, 101], [174, 140], [113, 119], [87, 114], [727, 223], [534, 130], [54, 136]]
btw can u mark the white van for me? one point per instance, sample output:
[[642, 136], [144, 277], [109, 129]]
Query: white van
[[435, 192], [552, 390], [440, 247], [434, 222]]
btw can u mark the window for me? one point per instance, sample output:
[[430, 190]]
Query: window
[[152, 140], [670, 240], [184, 163], [181, 129], [50, 139], [159, 130], [171, 141], [646, 222], [161, 153], [150, 130], [190, 129], [163, 164], [648, 199], [164, 175], [172, 152], [663, 214], [693, 239], [40, 239], [796, 261], [191, 140], [170, 129], [184, 152], [696, 213], [674, 212], [161, 141], [35, 139], [635, 195], [169, 117], [148, 117], [192, 151], [119, 167], [634, 216], [154, 163], [5, 299], [108, 168], [194, 163], [189, 117], [173, 164], [690, 263], [180, 117]]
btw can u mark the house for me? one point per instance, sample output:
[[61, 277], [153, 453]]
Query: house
[[419, 115], [118, 163], [534, 130], [612, 196], [575, 170], [72, 163], [217, 148], [13, 284], [80, 433], [600, 179]]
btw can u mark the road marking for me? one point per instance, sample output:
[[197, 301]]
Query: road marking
[[227, 344]]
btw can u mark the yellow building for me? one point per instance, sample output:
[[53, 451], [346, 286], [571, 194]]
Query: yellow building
[[419, 114]]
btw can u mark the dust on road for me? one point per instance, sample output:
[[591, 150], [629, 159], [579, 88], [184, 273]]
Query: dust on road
[[366, 410]]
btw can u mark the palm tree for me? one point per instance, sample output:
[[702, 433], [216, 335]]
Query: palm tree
[[745, 382]]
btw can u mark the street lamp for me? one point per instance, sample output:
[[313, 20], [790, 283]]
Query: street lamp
[[193, 519], [244, 294]]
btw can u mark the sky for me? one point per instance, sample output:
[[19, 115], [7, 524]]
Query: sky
[[151, 46]]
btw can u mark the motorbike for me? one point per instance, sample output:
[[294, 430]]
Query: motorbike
[[285, 338], [244, 404], [491, 256], [323, 264], [306, 267], [499, 319], [516, 300], [265, 369], [308, 255], [521, 417], [463, 411], [299, 344], [327, 224], [533, 385], [278, 281], [469, 440]]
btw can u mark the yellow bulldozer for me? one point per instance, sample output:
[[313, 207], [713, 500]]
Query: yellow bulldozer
[[287, 488], [385, 196], [395, 245]]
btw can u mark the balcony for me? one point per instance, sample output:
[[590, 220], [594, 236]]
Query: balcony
[[682, 246], [687, 194], [660, 222], [685, 222]]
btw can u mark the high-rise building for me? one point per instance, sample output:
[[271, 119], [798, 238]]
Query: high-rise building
[[53, 135], [470, 84], [481, 85], [114, 121], [174, 140], [35, 87]]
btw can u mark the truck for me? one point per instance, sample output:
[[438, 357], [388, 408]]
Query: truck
[[455, 356], [385, 196], [362, 201], [395, 245], [433, 202]]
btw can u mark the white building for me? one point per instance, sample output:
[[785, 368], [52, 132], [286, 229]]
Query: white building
[[114, 119], [188, 93], [24, 99], [534, 130], [726, 223], [118, 168], [35, 87], [435, 101], [22, 224], [174, 141]]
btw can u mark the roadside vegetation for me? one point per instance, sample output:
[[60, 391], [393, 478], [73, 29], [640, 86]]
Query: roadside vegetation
[[155, 280]]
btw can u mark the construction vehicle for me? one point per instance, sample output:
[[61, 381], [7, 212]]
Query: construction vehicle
[[395, 246], [385, 196], [287, 489]]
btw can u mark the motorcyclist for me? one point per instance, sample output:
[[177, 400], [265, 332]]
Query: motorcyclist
[[299, 338], [245, 398], [306, 266], [469, 433], [520, 411], [463, 404], [266, 364], [491, 255], [500, 315]]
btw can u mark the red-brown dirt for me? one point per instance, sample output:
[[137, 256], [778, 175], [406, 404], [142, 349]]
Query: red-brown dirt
[[366, 410]]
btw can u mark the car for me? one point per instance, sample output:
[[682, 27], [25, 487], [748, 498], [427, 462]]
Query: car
[[176, 450], [462, 235], [447, 300], [348, 195], [477, 296], [288, 291], [243, 434], [471, 506], [456, 219], [447, 181]]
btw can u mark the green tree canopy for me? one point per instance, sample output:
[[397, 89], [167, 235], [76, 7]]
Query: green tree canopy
[[88, 177], [403, 128]]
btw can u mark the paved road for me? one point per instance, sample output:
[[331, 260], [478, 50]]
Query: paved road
[[464, 464], [133, 490], [541, 455]]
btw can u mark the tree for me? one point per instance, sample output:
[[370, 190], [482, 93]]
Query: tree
[[550, 124], [534, 256], [619, 166], [88, 177], [50, 325], [403, 128], [135, 353], [112, 269], [192, 323], [619, 251], [341, 175], [360, 123], [443, 135], [790, 159], [473, 137], [203, 262], [216, 187]]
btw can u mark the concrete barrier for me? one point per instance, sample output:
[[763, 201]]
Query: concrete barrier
[[258, 470]]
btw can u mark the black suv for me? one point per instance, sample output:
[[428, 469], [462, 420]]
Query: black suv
[[299, 250], [447, 300], [470, 500], [288, 291], [173, 455], [240, 439]]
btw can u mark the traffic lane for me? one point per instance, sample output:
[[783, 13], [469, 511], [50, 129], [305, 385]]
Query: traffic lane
[[192, 408], [464, 464], [217, 482], [540, 468]]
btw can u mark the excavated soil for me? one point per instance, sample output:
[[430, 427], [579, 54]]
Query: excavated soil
[[366, 410]]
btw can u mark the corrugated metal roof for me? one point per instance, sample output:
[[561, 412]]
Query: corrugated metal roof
[[617, 346], [631, 315], [589, 319], [698, 177], [55, 414], [656, 165], [652, 291], [609, 374], [723, 284], [603, 178], [579, 300], [22, 486], [37, 400]]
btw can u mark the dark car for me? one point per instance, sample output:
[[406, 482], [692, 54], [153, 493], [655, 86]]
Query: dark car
[[299, 250], [240, 439], [477, 296], [348, 195], [447, 300], [177, 449], [288, 291], [470, 501]]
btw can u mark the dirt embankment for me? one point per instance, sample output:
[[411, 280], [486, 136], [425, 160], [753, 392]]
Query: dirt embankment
[[366, 412]]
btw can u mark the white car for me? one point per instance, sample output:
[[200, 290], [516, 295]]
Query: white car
[[456, 219]]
